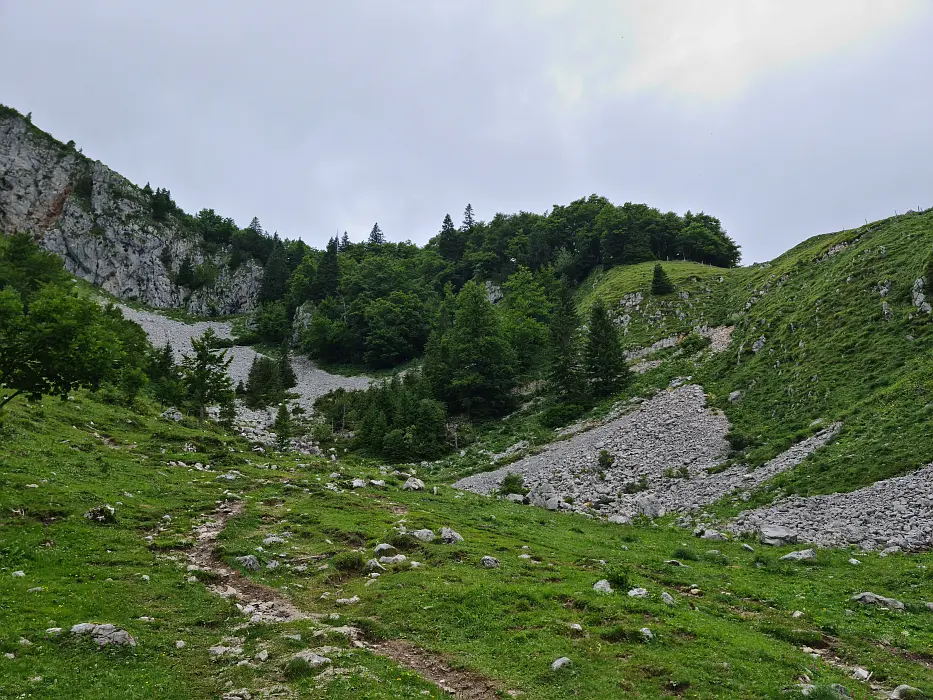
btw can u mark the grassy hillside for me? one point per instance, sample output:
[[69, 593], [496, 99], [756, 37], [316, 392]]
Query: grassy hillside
[[829, 352], [729, 634]]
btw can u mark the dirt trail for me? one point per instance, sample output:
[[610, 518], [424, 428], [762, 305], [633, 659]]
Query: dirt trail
[[265, 604]]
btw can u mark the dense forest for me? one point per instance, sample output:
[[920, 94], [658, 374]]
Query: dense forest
[[375, 303]]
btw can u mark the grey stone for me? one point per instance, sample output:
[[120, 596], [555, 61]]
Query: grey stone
[[560, 663], [489, 562], [602, 586], [397, 559], [776, 536], [384, 547], [311, 658], [424, 535], [902, 692], [802, 555], [104, 635], [647, 634], [449, 536], [413, 484], [667, 598], [638, 593], [869, 598], [248, 562]]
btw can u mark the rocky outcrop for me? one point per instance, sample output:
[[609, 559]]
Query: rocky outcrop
[[99, 223]]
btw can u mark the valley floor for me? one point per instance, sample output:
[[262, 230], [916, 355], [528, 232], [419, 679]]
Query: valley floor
[[260, 564]]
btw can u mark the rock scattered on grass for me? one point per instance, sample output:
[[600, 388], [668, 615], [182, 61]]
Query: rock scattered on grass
[[348, 601], [776, 536], [903, 692], [449, 536], [489, 562], [181, 644], [802, 555], [603, 586], [249, 562], [104, 514], [667, 598], [413, 484], [424, 535], [869, 598], [19, 574], [104, 635], [647, 634], [638, 593], [397, 559], [560, 663]]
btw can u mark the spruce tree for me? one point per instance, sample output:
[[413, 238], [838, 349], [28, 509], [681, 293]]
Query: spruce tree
[[327, 279], [449, 241], [263, 384], [468, 219], [205, 372], [376, 236], [661, 284], [604, 361], [344, 242], [565, 375], [255, 226], [282, 426], [287, 378], [274, 275]]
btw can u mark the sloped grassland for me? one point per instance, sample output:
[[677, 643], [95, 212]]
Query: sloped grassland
[[828, 352]]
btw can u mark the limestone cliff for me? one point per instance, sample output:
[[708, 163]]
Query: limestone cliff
[[101, 225]]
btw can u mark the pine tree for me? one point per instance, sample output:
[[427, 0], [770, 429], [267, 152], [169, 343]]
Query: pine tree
[[449, 242], [376, 236], [255, 226], [604, 361], [263, 383], [565, 375], [205, 372], [344, 242], [282, 426], [327, 279], [287, 378], [274, 275], [469, 220], [480, 361], [661, 284]]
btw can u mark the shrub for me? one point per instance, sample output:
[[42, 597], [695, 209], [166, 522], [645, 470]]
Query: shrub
[[694, 342], [620, 633], [739, 441], [513, 483], [559, 415], [619, 575], [661, 284], [636, 486], [349, 561], [684, 554], [606, 459]]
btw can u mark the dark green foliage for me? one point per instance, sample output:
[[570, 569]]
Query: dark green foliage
[[606, 459], [205, 374], [396, 419], [619, 575], [51, 340], [661, 284], [287, 377], [376, 236], [527, 313], [565, 375], [185, 276], [641, 484], [272, 322], [275, 275], [513, 483], [604, 362], [327, 279], [216, 230], [165, 381], [83, 187], [559, 415], [684, 554], [692, 343], [282, 426], [264, 383], [349, 562], [162, 204], [479, 372]]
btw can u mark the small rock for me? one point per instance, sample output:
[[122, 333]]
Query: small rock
[[902, 692], [358, 483], [374, 565], [638, 593], [647, 634], [797, 614], [53, 631], [489, 562], [667, 598], [383, 548], [776, 536], [413, 484], [37, 589], [18, 574], [869, 598], [576, 627], [802, 555], [348, 601], [424, 535], [181, 644], [397, 559], [560, 663], [603, 586], [449, 536], [747, 547], [249, 562], [312, 659], [262, 655], [854, 562]]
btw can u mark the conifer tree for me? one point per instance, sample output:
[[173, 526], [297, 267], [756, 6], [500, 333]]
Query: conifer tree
[[468, 219], [327, 279], [604, 361], [274, 275], [449, 241], [344, 242], [205, 373], [282, 426], [263, 383], [661, 284], [255, 226], [287, 378], [376, 236], [565, 375]]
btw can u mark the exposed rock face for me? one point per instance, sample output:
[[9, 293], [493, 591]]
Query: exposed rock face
[[107, 238]]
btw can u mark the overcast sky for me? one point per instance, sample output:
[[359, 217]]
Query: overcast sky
[[784, 118]]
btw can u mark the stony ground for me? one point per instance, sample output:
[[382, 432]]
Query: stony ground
[[312, 382]]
